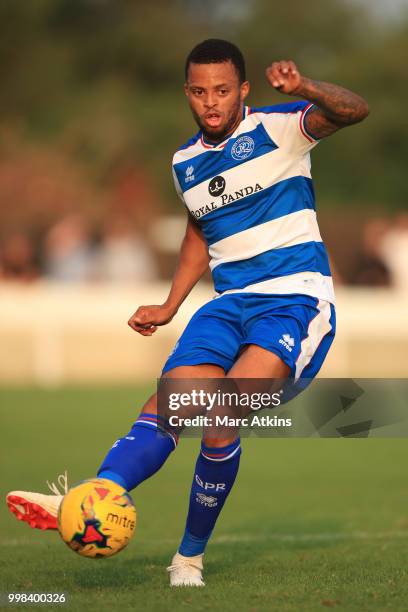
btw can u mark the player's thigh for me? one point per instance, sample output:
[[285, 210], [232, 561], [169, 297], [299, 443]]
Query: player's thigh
[[203, 370], [256, 362]]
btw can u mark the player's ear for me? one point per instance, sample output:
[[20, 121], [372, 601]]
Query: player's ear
[[186, 88], [244, 90]]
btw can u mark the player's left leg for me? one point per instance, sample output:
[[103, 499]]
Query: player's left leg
[[284, 335], [216, 470]]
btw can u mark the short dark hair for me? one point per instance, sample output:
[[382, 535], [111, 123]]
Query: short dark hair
[[215, 51]]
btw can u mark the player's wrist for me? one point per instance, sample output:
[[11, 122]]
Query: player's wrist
[[170, 308], [304, 89]]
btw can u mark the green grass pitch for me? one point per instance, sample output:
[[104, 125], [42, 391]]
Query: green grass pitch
[[311, 523]]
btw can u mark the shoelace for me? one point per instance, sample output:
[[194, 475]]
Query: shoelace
[[62, 481], [183, 563]]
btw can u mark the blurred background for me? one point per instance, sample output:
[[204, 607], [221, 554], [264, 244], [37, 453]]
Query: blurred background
[[91, 111]]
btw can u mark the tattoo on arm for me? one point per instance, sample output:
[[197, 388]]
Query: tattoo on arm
[[318, 125], [335, 107]]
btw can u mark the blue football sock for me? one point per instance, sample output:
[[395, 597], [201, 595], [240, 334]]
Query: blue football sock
[[139, 454], [214, 476]]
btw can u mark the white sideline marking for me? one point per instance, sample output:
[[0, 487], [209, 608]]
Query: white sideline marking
[[273, 537]]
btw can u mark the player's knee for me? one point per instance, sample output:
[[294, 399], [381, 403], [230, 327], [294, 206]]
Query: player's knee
[[151, 405]]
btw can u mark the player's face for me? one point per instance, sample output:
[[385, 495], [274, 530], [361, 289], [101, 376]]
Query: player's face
[[216, 98]]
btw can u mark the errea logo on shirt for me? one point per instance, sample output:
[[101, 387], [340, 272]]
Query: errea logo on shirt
[[189, 174], [288, 342]]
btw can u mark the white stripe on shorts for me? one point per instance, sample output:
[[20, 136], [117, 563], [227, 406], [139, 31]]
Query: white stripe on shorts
[[319, 326]]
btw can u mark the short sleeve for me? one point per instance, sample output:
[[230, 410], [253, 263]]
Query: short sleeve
[[285, 123]]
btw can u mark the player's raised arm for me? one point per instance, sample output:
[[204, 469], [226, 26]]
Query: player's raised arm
[[335, 107], [192, 264]]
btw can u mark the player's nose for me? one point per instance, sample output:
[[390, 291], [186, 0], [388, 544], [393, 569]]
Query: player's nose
[[210, 101]]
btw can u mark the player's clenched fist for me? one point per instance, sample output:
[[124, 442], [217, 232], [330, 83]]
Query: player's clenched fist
[[284, 76], [146, 319]]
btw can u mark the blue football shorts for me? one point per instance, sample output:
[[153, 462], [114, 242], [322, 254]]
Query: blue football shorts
[[298, 328]]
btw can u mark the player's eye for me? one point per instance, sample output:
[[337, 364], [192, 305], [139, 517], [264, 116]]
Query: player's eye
[[197, 92], [223, 92]]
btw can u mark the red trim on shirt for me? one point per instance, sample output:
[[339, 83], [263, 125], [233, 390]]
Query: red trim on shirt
[[207, 146], [301, 120], [220, 145]]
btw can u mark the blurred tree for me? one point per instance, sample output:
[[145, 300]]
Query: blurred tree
[[101, 81]]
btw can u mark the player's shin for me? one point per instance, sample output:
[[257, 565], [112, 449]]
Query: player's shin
[[214, 476], [139, 454]]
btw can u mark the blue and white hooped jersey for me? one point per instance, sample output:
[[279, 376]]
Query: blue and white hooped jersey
[[252, 196]]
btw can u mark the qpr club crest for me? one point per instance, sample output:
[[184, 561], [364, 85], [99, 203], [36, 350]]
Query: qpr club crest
[[243, 147]]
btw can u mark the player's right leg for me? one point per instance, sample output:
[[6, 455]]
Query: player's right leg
[[142, 452], [131, 460]]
